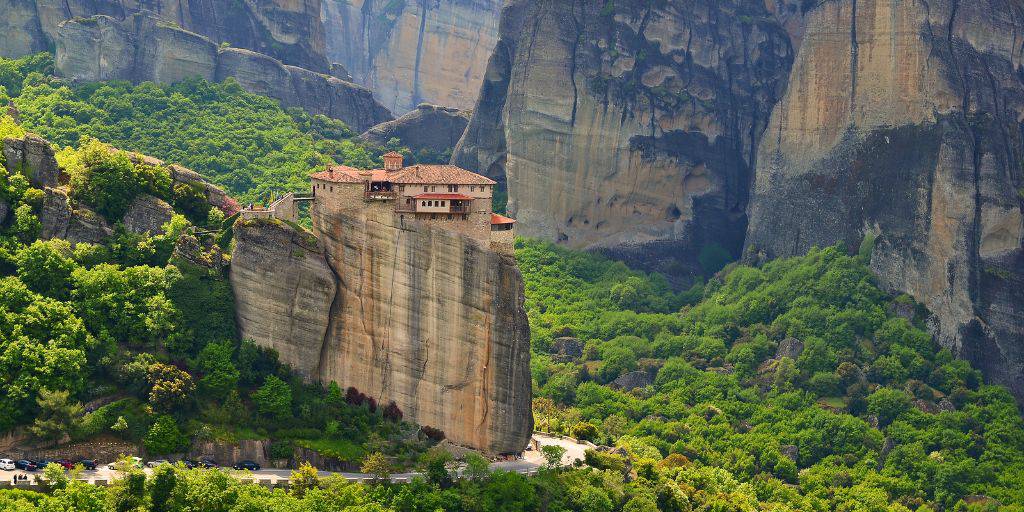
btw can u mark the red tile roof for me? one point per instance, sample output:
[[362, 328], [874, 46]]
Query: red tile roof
[[415, 174], [501, 219], [456, 197], [392, 154], [442, 174]]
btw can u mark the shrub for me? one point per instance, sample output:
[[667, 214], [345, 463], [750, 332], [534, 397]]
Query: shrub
[[164, 437]]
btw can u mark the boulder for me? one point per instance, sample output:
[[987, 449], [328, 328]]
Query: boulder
[[790, 451], [567, 349], [632, 380], [33, 156], [147, 214], [55, 215], [428, 127], [789, 347]]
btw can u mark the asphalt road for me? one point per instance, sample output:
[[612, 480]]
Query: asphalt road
[[529, 463]]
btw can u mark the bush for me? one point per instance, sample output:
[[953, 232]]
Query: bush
[[164, 437]]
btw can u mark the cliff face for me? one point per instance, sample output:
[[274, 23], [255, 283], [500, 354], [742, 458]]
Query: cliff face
[[422, 317], [428, 127], [140, 48], [412, 51], [283, 291], [902, 120], [289, 30], [629, 127]]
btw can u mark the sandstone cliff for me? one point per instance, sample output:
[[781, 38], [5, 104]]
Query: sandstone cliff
[[289, 30], [283, 291], [422, 317], [902, 121], [629, 127], [412, 51], [430, 127], [140, 48]]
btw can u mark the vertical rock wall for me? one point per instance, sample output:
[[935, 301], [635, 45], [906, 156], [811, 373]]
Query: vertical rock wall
[[289, 30], [413, 51], [627, 125], [902, 121], [422, 317]]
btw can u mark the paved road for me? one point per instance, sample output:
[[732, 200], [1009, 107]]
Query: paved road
[[530, 461]]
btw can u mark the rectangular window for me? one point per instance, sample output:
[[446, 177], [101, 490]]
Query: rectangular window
[[425, 188], [472, 188], [442, 203]]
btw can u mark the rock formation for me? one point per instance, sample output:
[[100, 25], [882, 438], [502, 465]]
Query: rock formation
[[141, 48], [629, 127], [147, 214], [78, 224], [32, 156], [289, 30], [901, 123], [283, 289], [410, 51], [422, 317], [430, 127]]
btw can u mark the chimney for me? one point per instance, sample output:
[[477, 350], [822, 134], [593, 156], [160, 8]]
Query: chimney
[[393, 161]]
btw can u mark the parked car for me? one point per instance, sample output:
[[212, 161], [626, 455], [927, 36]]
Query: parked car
[[157, 462], [7, 464], [247, 465], [65, 463], [189, 463], [88, 464], [25, 464], [208, 464], [42, 463]]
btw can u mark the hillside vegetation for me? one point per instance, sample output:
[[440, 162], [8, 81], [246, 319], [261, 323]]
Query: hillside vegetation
[[244, 142]]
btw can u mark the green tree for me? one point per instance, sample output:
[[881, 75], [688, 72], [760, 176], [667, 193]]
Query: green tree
[[436, 464], [377, 465], [170, 387], [46, 267], [164, 437], [553, 455], [220, 377], [304, 479], [274, 398], [57, 415], [888, 404]]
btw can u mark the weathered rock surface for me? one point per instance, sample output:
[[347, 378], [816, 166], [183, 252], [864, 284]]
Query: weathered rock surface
[[141, 48], [289, 30], [283, 291], [34, 157], [566, 349], [422, 317], [410, 52], [79, 224], [632, 380], [624, 126], [902, 121], [429, 127], [147, 214], [5, 210], [430, 320]]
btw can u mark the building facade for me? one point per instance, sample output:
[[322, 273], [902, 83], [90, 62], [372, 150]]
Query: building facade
[[442, 196]]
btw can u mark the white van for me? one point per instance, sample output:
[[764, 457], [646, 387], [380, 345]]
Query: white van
[[7, 464]]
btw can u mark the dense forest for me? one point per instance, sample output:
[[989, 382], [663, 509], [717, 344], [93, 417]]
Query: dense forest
[[794, 385]]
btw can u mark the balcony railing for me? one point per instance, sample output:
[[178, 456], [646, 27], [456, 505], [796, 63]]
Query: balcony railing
[[379, 195]]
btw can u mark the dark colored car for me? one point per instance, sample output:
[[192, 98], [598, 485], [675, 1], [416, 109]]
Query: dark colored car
[[247, 464], [88, 464], [25, 464], [189, 463], [208, 464], [42, 463]]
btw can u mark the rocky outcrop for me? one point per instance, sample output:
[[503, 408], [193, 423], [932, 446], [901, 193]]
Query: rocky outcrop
[[429, 127], [422, 317], [141, 48], [901, 123], [410, 52], [34, 157], [289, 30], [283, 291], [147, 214], [79, 224], [432, 321], [628, 125]]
